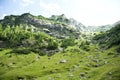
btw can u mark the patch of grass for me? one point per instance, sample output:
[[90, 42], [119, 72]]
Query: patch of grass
[[94, 64]]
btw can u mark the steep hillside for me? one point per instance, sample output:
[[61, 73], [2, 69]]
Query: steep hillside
[[109, 38]]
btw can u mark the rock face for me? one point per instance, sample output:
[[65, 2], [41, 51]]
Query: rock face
[[56, 25], [79, 26], [72, 23]]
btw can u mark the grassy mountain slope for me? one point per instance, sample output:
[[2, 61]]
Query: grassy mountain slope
[[78, 64], [26, 54]]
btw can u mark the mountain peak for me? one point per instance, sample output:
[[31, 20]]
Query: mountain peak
[[57, 17]]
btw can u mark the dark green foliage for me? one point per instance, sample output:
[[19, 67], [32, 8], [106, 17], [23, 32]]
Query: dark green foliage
[[1, 49], [68, 42], [118, 49], [42, 53], [115, 40], [87, 42], [14, 35], [35, 50], [52, 45], [86, 48], [85, 45], [38, 51], [19, 36], [110, 53], [99, 36], [115, 29]]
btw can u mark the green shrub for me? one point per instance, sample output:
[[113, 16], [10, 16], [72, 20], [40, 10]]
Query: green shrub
[[1, 49], [38, 51], [42, 53], [85, 45], [68, 42], [86, 48], [52, 45]]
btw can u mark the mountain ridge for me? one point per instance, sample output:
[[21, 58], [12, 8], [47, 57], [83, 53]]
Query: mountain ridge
[[56, 27], [56, 22]]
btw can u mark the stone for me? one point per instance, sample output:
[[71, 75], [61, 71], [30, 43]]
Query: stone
[[20, 78], [95, 60], [60, 49], [50, 78], [110, 73], [105, 62], [88, 76], [75, 66], [37, 57], [70, 75], [59, 76], [89, 65], [10, 64], [63, 61]]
